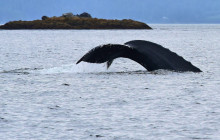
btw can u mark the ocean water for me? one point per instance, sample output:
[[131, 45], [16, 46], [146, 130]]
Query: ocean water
[[45, 95]]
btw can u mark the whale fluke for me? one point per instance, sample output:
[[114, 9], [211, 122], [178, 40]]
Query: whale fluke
[[150, 55]]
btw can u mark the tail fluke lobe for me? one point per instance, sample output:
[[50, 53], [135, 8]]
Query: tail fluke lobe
[[160, 57], [79, 60], [105, 53]]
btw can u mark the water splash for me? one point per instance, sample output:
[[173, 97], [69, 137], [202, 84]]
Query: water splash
[[85, 68], [73, 68], [68, 68]]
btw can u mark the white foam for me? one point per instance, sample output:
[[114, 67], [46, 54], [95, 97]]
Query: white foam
[[73, 68]]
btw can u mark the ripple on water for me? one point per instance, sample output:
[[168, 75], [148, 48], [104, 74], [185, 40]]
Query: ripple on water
[[44, 95]]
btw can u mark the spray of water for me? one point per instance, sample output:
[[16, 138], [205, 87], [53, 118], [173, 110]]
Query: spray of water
[[73, 68]]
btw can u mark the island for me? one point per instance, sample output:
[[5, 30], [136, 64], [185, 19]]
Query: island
[[70, 21]]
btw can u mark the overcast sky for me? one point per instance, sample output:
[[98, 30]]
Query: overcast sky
[[149, 11]]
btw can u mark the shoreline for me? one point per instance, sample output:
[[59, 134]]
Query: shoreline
[[74, 23]]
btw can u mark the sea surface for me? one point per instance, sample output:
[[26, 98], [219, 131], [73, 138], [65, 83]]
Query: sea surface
[[44, 95]]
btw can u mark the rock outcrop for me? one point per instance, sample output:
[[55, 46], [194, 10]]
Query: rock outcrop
[[70, 21]]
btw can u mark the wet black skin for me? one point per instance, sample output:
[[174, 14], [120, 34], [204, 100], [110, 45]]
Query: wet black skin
[[150, 55]]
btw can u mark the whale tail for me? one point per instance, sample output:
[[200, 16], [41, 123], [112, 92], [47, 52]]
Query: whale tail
[[150, 55]]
